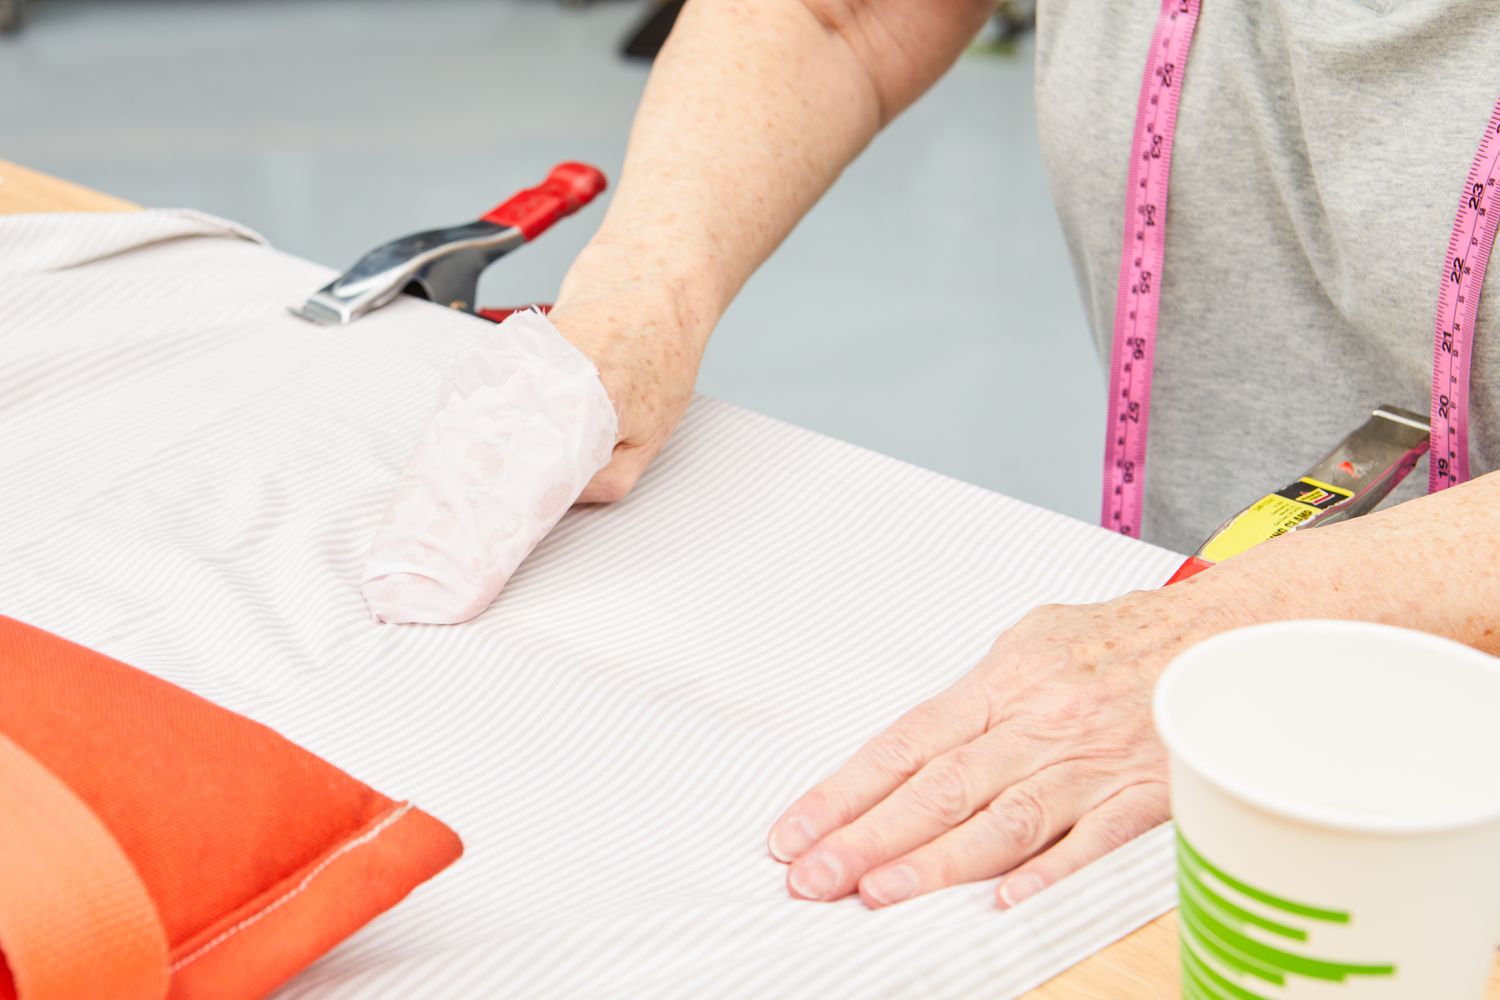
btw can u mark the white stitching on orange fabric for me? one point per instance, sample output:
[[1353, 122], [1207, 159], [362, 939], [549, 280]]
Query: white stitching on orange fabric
[[360, 841]]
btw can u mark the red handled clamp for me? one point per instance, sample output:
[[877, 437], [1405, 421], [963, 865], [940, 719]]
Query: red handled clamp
[[443, 265], [1349, 481]]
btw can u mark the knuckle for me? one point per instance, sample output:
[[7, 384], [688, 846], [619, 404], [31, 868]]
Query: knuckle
[[896, 753], [1019, 817], [945, 792], [856, 846], [941, 865], [1116, 749], [945, 866], [929, 714], [815, 803], [1113, 832], [1131, 816], [824, 807]]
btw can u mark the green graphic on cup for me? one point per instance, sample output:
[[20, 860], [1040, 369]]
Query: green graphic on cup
[[1233, 934], [1337, 811]]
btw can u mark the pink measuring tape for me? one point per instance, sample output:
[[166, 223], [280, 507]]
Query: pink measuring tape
[[1458, 313], [1143, 250]]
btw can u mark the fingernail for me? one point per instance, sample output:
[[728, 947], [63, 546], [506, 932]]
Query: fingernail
[[1013, 890], [892, 885], [791, 838], [816, 876]]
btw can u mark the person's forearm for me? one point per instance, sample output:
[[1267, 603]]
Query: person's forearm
[[1428, 564], [752, 110]]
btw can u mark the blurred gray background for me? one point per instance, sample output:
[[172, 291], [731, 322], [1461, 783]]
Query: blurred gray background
[[925, 309]]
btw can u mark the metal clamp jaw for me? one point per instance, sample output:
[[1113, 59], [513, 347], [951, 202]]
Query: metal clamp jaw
[[1349, 481], [443, 265]]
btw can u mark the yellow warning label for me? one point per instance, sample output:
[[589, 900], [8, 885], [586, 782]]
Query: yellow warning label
[[1272, 515]]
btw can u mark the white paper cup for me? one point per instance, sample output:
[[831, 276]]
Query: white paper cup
[[1336, 789]]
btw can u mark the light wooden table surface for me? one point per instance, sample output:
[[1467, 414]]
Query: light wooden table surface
[[1142, 966]]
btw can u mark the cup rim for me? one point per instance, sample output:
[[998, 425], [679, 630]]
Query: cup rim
[[1286, 807]]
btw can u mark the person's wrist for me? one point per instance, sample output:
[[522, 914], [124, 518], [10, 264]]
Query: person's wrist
[[618, 284], [1264, 584], [1165, 621], [646, 342]]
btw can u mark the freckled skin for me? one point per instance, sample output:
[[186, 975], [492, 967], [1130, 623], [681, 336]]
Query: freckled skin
[[1043, 758], [752, 110]]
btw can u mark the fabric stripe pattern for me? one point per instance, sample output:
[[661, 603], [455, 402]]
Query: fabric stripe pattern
[[192, 478]]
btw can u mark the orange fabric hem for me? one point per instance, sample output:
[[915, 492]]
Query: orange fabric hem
[[268, 940]]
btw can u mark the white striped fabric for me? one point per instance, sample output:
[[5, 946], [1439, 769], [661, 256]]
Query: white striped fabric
[[191, 478]]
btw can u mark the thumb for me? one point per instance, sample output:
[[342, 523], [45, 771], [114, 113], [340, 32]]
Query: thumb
[[618, 478]]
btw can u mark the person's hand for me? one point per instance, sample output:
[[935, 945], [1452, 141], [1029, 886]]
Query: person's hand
[[616, 308], [1041, 760]]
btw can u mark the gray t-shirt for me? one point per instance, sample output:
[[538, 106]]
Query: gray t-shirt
[[1321, 149]]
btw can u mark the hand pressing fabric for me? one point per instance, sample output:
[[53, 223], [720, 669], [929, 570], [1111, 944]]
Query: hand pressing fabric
[[1044, 757], [526, 423], [531, 426], [1039, 761]]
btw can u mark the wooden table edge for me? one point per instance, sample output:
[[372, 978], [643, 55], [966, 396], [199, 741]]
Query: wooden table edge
[[25, 190]]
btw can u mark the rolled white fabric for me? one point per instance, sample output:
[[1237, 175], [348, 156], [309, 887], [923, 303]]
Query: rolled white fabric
[[527, 425]]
